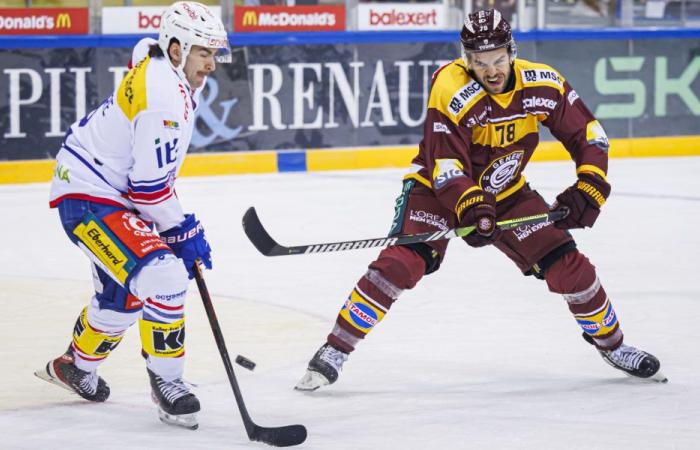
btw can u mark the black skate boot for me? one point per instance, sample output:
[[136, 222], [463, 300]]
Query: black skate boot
[[323, 368], [176, 404], [62, 372], [632, 361]]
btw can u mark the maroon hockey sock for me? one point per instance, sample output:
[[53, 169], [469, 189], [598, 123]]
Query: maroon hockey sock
[[575, 278], [396, 269]]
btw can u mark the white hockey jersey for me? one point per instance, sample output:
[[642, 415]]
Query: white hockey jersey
[[130, 149]]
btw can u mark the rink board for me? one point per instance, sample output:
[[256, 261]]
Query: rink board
[[313, 160]]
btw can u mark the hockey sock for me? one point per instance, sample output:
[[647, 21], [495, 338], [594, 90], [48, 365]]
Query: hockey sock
[[574, 277], [92, 345], [163, 347], [396, 269]]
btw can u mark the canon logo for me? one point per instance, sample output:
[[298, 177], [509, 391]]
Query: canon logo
[[148, 22], [402, 18]]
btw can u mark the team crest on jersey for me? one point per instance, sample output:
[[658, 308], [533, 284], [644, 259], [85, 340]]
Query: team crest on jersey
[[445, 171], [464, 97], [501, 172], [531, 76]]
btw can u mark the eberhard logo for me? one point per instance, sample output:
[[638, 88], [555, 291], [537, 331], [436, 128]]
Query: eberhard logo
[[102, 246], [63, 21], [250, 19]]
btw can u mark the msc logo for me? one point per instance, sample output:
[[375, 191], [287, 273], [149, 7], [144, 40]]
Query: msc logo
[[250, 19], [63, 21]]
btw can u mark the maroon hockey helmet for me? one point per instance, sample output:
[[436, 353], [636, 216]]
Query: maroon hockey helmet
[[486, 30]]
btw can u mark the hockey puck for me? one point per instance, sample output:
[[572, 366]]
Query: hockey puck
[[245, 362]]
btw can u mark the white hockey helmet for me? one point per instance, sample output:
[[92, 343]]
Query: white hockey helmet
[[192, 23]]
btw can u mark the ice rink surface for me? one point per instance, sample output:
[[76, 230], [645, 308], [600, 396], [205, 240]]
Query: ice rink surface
[[476, 357]]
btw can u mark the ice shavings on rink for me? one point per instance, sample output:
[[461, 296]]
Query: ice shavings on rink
[[477, 356]]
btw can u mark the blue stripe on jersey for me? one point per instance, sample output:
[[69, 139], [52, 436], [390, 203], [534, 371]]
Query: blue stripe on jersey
[[153, 188], [157, 315], [155, 180], [89, 166]]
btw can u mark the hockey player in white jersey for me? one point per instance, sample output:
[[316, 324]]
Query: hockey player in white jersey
[[116, 200]]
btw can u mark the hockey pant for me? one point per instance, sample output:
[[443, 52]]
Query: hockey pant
[[541, 250], [136, 278]]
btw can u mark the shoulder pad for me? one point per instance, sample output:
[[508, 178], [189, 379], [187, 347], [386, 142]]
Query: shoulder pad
[[536, 74], [454, 91], [131, 93]]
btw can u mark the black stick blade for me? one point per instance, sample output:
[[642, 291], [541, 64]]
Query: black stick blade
[[287, 436], [257, 234]]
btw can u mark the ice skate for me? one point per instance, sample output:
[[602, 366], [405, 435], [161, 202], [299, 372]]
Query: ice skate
[[634, 362], [63, 372], [323, 368], [176, 404]]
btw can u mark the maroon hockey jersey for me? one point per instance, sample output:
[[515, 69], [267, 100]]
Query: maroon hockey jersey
[[473, 139]]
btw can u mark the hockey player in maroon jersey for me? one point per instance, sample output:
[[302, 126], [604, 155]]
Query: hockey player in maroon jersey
[[481, 130]]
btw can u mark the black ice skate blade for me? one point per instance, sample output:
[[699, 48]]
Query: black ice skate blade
[[658, 377]]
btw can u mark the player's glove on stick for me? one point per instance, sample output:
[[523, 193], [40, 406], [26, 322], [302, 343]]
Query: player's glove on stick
[[478, 209], [188, 242], [583, 201]]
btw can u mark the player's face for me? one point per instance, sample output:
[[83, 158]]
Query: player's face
[[492, 69], [198, 65]]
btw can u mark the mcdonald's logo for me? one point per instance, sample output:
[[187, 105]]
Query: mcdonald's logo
[[250, 19], [63, 21]]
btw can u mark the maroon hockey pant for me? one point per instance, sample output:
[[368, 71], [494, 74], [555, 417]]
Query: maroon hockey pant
[[398, 268]]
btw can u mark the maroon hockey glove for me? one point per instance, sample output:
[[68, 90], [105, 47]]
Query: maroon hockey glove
[[478, 209], [583, 200]]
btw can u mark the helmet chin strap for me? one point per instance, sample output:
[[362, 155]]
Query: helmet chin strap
[[180, 68]]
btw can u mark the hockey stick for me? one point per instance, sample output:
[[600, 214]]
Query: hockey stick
[[286, 436], [269, 247]]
